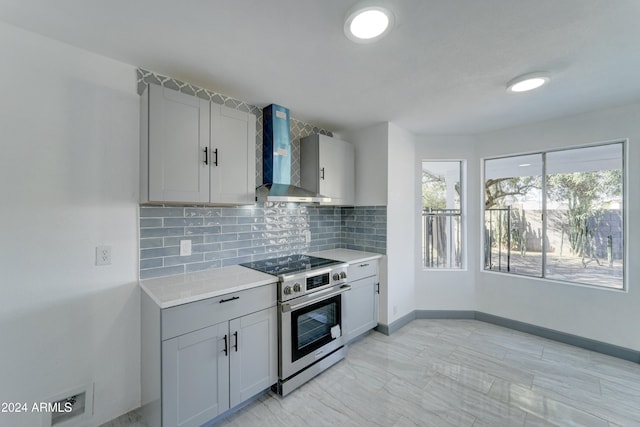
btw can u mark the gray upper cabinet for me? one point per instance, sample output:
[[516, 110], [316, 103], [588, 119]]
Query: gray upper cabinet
[[233, 156], [174, 134], [327, 166], [195, 151]]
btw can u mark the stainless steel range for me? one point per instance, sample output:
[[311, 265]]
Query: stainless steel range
[[309, 315]]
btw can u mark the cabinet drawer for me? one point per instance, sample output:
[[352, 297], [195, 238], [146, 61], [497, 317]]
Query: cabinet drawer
[[200, 314], [359, 270]]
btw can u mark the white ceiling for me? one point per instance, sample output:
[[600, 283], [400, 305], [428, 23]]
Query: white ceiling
[[443, 68]]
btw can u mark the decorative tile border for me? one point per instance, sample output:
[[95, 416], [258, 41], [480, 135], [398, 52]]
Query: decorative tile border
[[146, 77]]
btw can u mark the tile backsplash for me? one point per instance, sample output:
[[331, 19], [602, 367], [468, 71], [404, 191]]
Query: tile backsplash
[[222, 236], [364, 228]]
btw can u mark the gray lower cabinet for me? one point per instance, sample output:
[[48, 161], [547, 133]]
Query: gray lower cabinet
[[214, 354], [195, 377], [361, 302], [253, 355]]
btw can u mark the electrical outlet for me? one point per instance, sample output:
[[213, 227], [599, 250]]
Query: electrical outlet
[[185, 247], [103, 255], [307, 236]]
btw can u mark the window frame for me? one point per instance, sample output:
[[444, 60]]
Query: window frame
[[462, 215], [625, 216]]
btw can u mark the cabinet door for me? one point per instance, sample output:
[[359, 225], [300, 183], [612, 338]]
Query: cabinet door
[[361, 307], [254, 354], [233, 157], [337, 175], [178, 135], [195, 376]]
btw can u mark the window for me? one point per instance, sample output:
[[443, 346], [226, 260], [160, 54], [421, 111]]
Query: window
[[513, 214], [557, 215], [442, 226]]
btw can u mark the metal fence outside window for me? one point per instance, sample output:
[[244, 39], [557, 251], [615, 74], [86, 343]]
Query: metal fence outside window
[[442, 238]]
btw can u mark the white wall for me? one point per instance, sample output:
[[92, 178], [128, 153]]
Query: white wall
[[69, 180], [401, 213], [385, 155], [449, 290], [608, 316], [371, 163], [602, 315]]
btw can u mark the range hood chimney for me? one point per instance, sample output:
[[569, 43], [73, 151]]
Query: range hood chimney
[[276, 161]]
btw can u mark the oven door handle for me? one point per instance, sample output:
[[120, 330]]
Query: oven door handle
[[288, 307]]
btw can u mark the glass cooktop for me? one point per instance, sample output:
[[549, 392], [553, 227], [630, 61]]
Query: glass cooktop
[[289, 264]]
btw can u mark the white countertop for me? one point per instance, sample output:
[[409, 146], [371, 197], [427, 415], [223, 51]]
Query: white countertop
[[175, 290], [347, 255]]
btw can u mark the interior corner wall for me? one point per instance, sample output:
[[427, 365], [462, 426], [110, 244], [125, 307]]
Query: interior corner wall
[[371, 154], [401, 213], [371, 150], [69, 183], [603, 315], [450, 289]]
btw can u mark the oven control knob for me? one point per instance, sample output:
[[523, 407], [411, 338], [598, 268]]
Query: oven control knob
[[297, 287], [336, 276], [287, 290], [343, 274]]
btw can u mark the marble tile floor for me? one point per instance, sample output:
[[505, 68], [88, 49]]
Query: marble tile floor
[[454, 373]]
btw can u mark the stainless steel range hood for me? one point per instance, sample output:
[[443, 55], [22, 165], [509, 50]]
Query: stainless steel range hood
[[288, 193], [276, 161]]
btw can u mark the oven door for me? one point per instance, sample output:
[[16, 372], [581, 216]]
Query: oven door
[[311, 328]]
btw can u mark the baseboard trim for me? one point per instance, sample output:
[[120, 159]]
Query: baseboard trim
[[396, 325], [563, 337], [445, 314]]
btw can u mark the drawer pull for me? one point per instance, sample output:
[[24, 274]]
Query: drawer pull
[[229, 299], [364, 265], [226, 352]]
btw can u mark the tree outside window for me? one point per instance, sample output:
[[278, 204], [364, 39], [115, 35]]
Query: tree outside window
[[557, 215]]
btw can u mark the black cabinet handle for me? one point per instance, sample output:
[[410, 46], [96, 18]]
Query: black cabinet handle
[[363, 265], [322, 176], [226, 348], [235, 334], [377, 288], [215, 162], [229, 299], [206, 155]]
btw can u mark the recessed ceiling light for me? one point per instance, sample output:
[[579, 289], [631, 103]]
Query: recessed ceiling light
[[528, 82], [368, 22]]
